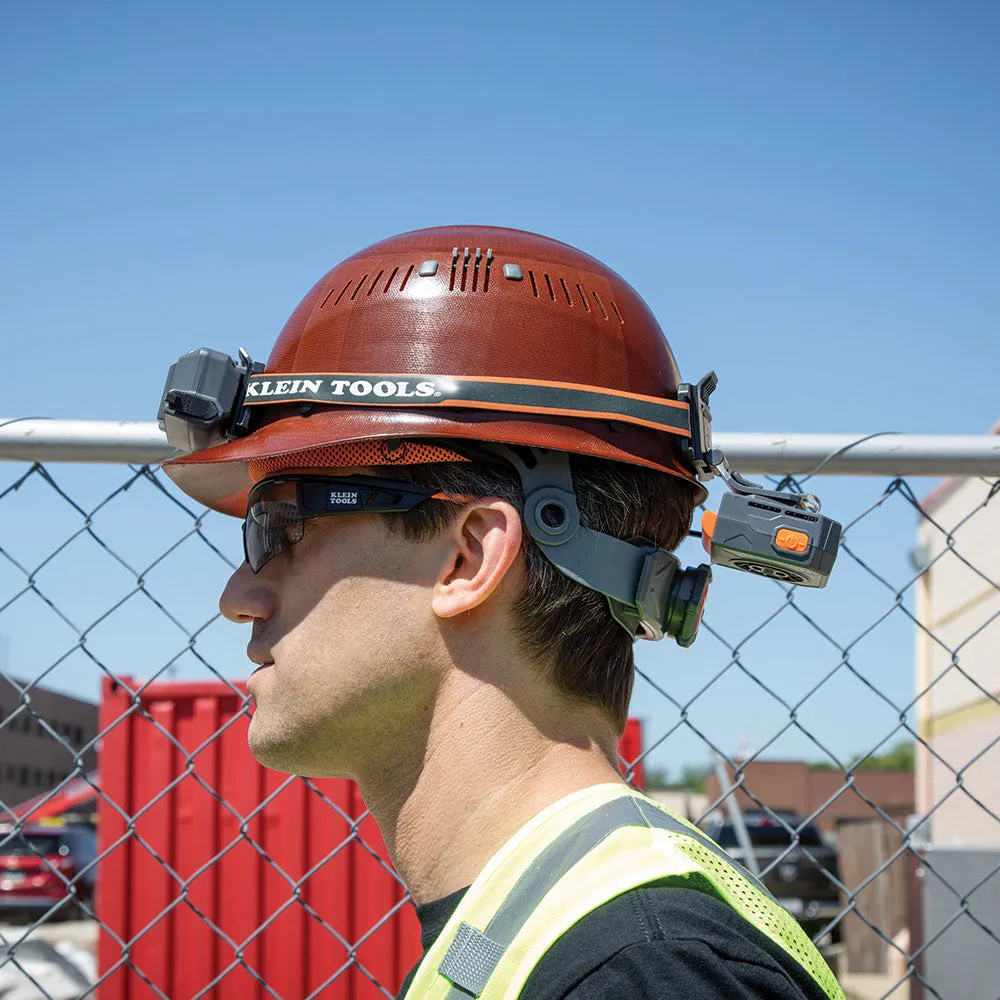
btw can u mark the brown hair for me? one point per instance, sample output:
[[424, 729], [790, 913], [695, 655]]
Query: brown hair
[[566, 627]]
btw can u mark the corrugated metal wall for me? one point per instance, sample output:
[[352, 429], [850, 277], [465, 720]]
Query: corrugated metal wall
[[213, 885]]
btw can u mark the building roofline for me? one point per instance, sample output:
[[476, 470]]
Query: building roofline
[[946, 487], [41, 688]]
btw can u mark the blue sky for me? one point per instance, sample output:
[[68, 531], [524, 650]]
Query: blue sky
[[804, 193]]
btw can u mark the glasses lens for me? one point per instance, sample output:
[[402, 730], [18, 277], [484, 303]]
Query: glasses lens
[[271, 526]]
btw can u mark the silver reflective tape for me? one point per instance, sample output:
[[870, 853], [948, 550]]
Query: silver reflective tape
[[470, 960]]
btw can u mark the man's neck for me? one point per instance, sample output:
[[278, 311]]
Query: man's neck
[[489, 766]]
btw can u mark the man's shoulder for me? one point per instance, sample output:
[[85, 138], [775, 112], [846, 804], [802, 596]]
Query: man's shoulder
[[663, 940]]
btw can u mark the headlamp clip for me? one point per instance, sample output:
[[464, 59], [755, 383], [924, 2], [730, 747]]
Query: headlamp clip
[[708, 462]]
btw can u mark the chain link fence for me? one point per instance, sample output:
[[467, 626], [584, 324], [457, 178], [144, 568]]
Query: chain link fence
[[854, 731]]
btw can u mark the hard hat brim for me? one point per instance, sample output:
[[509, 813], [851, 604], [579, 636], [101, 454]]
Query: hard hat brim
[[220, 477]]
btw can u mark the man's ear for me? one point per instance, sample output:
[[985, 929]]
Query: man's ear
[[485, 540]]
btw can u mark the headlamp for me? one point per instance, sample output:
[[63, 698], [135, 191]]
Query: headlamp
[[202, 402]]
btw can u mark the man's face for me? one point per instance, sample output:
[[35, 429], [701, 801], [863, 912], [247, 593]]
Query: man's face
[[345, 638]]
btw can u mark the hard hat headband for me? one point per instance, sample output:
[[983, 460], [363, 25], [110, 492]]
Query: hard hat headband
[[495, 394]]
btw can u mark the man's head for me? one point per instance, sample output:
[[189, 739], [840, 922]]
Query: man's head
[[362, 617], [494, 365]]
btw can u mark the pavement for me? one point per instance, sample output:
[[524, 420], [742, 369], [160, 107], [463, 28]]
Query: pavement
[[52, 962], [862, 986], [79, 933]]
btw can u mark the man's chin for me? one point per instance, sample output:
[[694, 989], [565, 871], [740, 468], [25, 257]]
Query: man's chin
[[277, 751], [272, 752]]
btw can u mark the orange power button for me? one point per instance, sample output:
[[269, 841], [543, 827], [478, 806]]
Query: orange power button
[[792, 541]]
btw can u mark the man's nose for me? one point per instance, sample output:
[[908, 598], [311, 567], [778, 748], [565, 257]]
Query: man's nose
[[247, 597]]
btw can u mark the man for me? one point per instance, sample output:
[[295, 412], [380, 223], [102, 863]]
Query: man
[[498, 424]]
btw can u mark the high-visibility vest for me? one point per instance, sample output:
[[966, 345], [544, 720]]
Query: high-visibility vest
[[573, 857]]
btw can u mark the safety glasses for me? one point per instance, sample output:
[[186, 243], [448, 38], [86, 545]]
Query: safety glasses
[[277, 509]]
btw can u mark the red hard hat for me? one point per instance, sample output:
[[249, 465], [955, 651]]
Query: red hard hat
[[526, 321]]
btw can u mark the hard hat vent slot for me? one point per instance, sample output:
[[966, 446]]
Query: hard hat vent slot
[[470, 272], [465, 269], [357, 288], [550, 287], [332, 290], [372, 287], [475, 269], [486, 270]]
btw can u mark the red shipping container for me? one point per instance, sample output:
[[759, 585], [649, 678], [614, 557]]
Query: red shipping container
[[226, 876]]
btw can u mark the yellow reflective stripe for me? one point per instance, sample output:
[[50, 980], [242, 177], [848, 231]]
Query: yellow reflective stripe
[[500, 875], [651, 854], [598, 878]]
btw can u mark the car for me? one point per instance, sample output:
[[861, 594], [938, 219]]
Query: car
[[798, 866], [39, 863]]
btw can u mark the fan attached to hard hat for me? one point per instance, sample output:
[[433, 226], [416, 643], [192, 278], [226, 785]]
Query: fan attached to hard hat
[[474, 342]]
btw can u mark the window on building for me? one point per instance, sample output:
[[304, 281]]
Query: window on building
[[78, 736]]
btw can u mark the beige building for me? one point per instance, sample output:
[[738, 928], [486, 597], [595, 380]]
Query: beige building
[[958, 663]]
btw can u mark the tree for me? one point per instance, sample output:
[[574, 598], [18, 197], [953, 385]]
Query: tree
[[899, 757], [691, 777]]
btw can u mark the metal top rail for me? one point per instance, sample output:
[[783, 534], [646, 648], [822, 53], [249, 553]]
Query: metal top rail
[[44, 440]]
